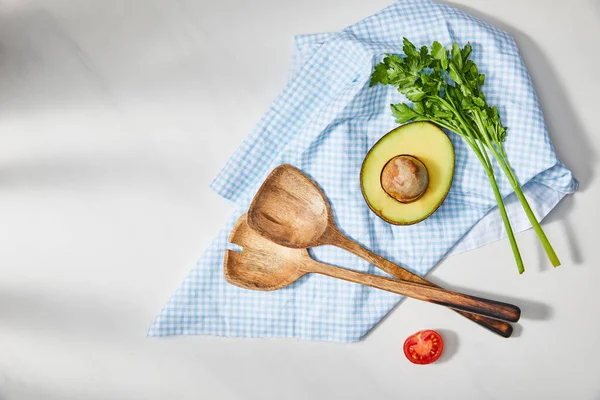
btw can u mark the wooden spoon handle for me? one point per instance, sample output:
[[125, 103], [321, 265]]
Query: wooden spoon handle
[[337, 239], [459, 301]]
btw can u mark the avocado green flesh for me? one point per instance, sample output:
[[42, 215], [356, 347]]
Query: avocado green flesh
[[433, 148]]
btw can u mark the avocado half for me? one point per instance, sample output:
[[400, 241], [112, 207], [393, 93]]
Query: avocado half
[[407, 174]]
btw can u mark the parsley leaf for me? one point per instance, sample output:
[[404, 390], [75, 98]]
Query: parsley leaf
[[380, 75], [438, 52], [403, 113]]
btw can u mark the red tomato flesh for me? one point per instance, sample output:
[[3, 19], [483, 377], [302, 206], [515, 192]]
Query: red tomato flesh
[[424, 347]]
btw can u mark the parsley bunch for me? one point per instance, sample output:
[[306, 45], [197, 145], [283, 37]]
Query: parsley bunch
[[445, 89]]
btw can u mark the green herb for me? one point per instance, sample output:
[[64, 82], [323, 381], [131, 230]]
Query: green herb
[[445, 89]]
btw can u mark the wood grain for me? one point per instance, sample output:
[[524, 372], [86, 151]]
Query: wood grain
[[265, 265], [291, 210]]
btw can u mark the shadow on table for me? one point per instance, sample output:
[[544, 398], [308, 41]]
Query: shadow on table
[[451, 345], [563, 208], [70, 315], [530, 309]]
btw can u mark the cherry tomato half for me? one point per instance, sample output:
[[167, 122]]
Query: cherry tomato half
[[424, 347]]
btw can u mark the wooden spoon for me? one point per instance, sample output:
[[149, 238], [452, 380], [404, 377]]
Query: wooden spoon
[[291, 210], [265, 265]]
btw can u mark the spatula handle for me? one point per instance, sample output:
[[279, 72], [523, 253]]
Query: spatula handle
[[458, 301], [336, 238]]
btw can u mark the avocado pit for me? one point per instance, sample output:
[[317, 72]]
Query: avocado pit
[[404, 178]]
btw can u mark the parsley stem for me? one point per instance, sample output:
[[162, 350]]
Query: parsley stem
[[483, 157], [500, 155], [479, 150], [527, 208], [504, 215]]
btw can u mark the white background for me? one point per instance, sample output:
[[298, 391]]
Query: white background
[[114, 117]]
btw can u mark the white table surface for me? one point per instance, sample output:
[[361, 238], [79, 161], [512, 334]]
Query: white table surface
[[114, 117]]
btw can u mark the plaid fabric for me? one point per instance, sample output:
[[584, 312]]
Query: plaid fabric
[[324, 122]]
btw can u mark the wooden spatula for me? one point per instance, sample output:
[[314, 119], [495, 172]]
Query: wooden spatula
[[291, 210], [265, 265]]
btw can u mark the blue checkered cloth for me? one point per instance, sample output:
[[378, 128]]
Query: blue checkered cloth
[[324, 122]]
